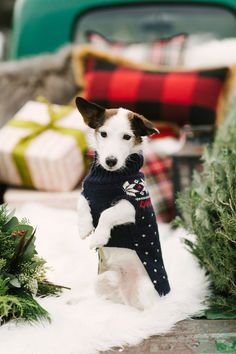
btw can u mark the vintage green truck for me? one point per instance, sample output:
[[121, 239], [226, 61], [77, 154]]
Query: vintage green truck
[[41, 26]]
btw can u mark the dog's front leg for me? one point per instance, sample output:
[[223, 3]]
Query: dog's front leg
[[85, 220], [121, 213]]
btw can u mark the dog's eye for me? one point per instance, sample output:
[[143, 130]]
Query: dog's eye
[[126, 137], [103, 134]]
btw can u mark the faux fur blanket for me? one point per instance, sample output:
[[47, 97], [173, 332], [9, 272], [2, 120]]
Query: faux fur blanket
[[83, 323], [48, 75]]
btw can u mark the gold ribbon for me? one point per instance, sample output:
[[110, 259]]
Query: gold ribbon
[[36, 129]]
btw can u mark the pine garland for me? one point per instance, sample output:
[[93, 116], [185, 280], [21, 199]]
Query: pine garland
[[22, 271], [208, 210]]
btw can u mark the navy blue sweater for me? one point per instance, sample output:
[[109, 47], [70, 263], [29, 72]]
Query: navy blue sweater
[[103, 189]]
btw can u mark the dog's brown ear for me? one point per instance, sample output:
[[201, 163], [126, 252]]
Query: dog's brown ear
[[142, 126], [92, 113]]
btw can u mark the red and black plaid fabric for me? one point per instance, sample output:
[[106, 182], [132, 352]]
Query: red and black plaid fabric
[[158, 178], [182, 97]]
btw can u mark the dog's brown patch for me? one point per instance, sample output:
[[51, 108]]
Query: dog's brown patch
[[92, 113], [137, 138], [140, 126], [108, 113]]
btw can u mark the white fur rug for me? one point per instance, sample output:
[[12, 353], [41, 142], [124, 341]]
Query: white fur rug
[[84, 324]]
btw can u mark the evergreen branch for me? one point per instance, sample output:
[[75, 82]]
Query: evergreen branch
[[208, 209], [55, 285], [28, 242], [22, 272], [18, 254]]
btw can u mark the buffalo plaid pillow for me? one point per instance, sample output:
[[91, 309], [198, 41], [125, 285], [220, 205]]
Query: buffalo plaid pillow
[[181, 97], [166, 51]]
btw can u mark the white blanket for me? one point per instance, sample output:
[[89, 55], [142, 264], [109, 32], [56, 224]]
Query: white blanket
[[83, 323]]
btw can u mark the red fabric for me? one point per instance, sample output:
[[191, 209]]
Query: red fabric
[[178, 97], [211, 88], [151, 87], [96, 89], [164, 132], [124, 85], [179, 89]]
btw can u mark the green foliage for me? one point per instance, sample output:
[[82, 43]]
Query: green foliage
[[22, 271], [21, 306], [208, 210]]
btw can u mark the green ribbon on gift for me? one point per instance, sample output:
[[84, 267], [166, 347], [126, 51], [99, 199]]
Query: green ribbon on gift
[[19, 150]]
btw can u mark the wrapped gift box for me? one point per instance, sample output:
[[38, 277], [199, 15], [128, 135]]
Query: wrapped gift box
[[43, 147]]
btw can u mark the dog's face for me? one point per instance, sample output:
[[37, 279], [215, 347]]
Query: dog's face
[[117, 132]]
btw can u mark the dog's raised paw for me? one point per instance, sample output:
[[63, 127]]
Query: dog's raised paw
[[99, 238]]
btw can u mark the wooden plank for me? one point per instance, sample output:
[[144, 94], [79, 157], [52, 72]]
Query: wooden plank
[[189, 337]]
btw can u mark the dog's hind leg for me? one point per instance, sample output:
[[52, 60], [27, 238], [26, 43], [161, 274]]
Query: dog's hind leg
[[124, 279], [136, 287], [147, 295], [107, 286]]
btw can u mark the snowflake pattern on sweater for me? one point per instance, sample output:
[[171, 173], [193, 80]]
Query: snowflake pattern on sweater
[[103, 189]]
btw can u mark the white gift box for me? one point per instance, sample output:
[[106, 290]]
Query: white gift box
[[54, 160]]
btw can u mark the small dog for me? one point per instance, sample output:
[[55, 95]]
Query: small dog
[[115, 208]]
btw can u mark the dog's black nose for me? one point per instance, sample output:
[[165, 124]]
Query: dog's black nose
[[111, 161]]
